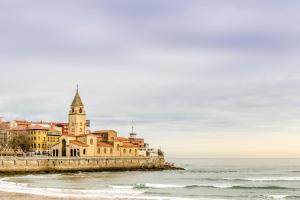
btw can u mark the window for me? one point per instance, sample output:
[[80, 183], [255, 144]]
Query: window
[[98, 151], [80, 123], [83, 152], [39, 146], [80, 129], [104, 150], [124, 150], [91, 141], [111, 150], [130, 150], [73, 110], [80, 110], [118, 147]]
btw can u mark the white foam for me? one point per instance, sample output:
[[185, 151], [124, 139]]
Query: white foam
[[121, 192], [276, 196], [284, 178], [122, 186], [218, 185], [162, 186], [57, 192]]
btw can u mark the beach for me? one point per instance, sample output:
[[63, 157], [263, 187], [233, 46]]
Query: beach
[[209, 179], [20, 196]]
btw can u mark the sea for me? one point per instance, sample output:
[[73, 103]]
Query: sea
[[204, 179]]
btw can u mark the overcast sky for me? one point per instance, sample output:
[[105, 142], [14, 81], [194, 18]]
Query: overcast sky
[[201, 78]]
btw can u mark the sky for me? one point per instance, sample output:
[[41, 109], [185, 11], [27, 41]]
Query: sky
[[200, 78]]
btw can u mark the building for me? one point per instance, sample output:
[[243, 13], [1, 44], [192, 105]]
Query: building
[[53, 136], [38, 138], [4, 132], [82, 142]]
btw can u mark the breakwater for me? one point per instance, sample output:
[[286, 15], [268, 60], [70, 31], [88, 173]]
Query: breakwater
[[69, 164]]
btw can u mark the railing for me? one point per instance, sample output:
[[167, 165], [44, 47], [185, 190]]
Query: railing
[[68, 157]]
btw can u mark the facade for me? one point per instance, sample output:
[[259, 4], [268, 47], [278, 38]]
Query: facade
[[77, 117], [84, 143], [42, 135], [4, 132], [38, 138]]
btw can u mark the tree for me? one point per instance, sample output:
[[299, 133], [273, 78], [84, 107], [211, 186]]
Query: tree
[[22, 141]]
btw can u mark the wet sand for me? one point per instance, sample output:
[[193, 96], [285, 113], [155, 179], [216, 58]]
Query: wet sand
[[20, 196]]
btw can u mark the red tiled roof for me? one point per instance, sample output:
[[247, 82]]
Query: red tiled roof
[[78, 143], [37, 127], [19, 128], [121, 139], [4, 126], [127, 145], [103, 131], [103, 144]]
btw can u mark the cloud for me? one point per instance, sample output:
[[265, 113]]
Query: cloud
[[202, 73]]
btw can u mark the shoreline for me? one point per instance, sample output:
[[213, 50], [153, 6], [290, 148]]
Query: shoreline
[[24, 196]]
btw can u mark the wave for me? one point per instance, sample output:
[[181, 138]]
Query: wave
[[276, 196], [117, 192], [167, 186], [287, 178], [216, 185], [212, 171], [262, 187]]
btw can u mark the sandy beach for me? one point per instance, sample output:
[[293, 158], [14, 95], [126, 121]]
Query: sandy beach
[[20, 196]]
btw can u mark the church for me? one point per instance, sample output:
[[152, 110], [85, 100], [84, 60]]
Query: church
[[81, 142]]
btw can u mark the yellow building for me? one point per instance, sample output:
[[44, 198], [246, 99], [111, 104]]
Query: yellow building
[[38, 138], [79, 142], [53, 136]]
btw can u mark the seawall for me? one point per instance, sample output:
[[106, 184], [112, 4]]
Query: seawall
[[69, 164]]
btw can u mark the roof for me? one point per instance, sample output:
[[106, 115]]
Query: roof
[[19, 128], [103, 131], [38, 127], [121, 139], [103, 144], [78, 143], [129, 145], [4, 125], [77, 100]]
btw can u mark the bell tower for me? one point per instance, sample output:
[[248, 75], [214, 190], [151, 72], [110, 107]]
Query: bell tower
[[77, 116]]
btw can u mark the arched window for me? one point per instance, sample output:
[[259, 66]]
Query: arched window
[[98, 151], [83, 151], [124, 150], [130, 150], [80, 110], [56, 152], [71, 152], [91, 141], [73, 110], [53, 152]]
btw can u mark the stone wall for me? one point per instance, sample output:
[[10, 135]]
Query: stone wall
[[65, 164]]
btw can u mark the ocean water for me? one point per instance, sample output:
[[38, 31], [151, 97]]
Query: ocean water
[[203, 179]]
